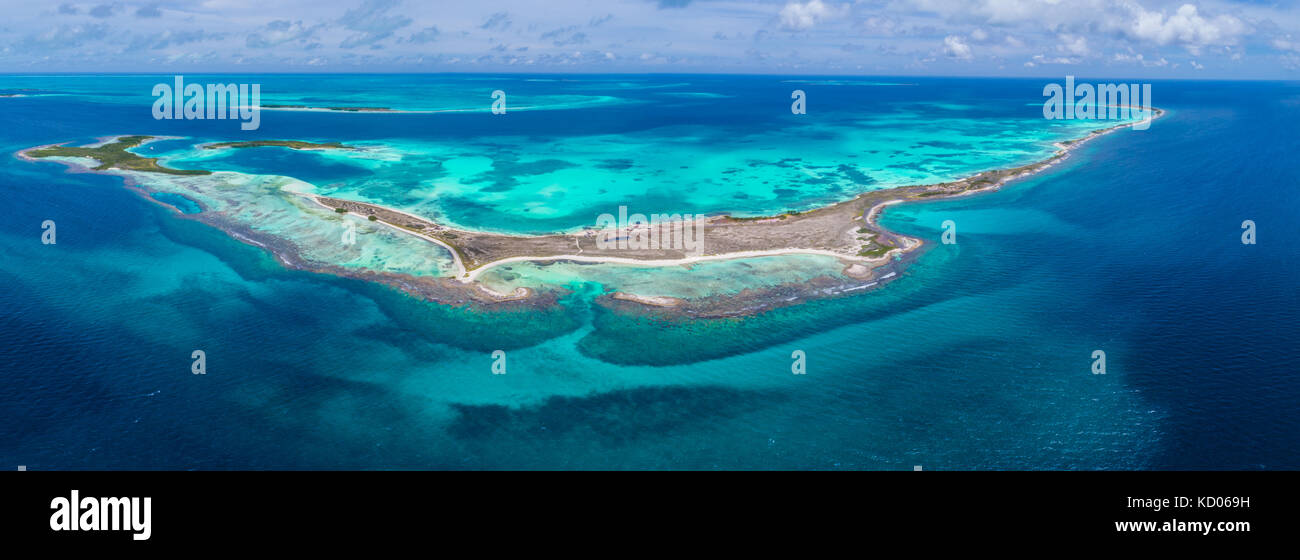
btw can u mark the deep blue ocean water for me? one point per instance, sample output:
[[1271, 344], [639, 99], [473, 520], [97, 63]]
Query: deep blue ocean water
[[979, 358]]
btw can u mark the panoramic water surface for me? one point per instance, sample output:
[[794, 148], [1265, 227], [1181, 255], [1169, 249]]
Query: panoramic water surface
[[978, 358]]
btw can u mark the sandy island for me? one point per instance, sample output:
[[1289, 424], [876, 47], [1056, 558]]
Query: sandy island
[[848, 231]]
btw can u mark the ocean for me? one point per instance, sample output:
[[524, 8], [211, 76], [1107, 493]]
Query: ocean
[[979, 357]]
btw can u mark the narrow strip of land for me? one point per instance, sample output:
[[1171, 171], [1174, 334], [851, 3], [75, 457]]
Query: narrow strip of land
[[847, 230]]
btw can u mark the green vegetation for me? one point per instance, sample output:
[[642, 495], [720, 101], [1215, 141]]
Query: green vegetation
[[876, 248], [293, 144], [373, 218], [115, 155], [341, 210], [871, 250]]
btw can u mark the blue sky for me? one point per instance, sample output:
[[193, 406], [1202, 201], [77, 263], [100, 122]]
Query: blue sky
[[1149, 39]]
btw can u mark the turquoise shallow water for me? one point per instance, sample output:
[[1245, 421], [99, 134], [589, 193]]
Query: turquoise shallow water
[[978, 358], [576, 148]]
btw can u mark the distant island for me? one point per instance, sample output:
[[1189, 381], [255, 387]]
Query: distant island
[[340, 108], [294, 144], [847, 230], [111, 155]]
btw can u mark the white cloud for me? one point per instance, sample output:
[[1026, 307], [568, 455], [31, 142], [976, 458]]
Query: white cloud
[[1073, 44], [372, 22], [1186, 27], [956, 47], [279, 32], [798, 17], [1139, 59], [1227, 37], [1286, 44], [881, 25], [1041, 59]]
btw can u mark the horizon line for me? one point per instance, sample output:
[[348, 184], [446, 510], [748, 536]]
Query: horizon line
[[581, 73]]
